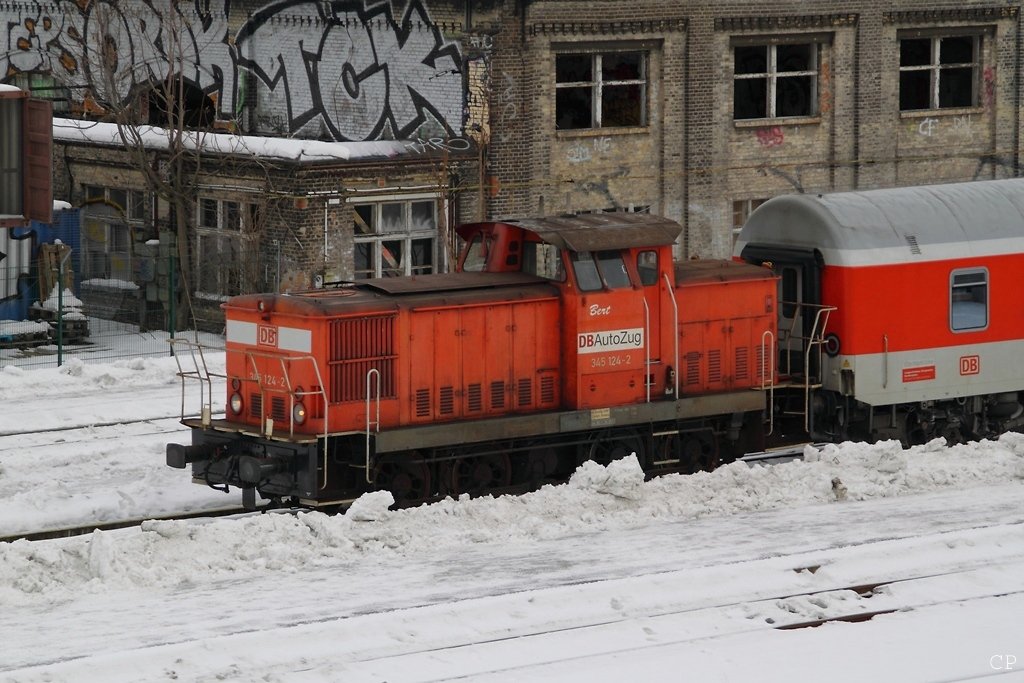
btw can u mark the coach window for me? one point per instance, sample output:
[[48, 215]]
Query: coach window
[[968, 300]]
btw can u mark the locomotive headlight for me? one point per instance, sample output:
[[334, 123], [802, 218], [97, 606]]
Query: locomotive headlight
[[299, 413], [236, 403]]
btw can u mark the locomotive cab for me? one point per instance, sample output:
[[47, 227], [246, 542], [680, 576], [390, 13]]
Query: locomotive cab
[[616, 293]]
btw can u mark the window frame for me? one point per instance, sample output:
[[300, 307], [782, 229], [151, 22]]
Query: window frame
[[771, 75], [936, 67], [228, 279], [953, 286], [597, 84], [378, 237], [131, 220]]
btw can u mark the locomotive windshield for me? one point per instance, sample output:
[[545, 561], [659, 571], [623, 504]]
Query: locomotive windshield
[[596, 269], [544, 260]]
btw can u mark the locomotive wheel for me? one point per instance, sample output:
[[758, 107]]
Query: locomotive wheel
[[698, 452], [605, 450], [478, 475], [406, 476], [535, 466]]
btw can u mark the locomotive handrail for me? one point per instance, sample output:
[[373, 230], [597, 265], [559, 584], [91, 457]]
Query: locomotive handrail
[[885, 361], [375, 373], [768, 378], [647, 349], [202, 375], [251, 356], [675, 335]]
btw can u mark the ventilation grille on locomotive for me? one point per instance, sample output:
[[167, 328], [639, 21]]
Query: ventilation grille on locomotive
[[357, 346], [423, 403], [255, 405], [525, 393], [714, 366], [693, 367], [447, 401], [497, 395], [475, 398], [547, 390], [742, 362]]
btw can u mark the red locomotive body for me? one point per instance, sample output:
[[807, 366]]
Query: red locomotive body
[[558, 340]]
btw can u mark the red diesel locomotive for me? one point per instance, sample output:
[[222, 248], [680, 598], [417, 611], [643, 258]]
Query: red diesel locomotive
[[557, 340], [866, 315]]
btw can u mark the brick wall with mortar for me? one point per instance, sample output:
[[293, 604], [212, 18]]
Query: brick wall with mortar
[[693, 160]]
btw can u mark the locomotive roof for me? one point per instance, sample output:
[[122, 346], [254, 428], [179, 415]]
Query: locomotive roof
[[929, 222], [601, 231]]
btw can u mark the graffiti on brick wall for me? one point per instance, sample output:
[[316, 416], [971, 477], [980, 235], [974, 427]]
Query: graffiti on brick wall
[[347, 63], [770, 137]]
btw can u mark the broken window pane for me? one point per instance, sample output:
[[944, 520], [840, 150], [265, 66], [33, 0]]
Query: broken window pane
[[955, 87], [914, 90], [956, 50], [751, 59], [751, 98], [574, 107], [915, 52], [793, 96], [621, 66], [573, 68], [793, 58], [621, 105]]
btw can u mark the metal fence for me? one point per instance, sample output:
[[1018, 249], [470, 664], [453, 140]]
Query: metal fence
[[101, 319]]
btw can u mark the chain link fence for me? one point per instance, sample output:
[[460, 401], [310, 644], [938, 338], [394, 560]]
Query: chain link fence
[[44, 325]]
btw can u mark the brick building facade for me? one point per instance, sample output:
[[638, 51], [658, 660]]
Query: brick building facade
[[694, 109]]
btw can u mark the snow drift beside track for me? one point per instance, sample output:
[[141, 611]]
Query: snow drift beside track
[[165, 554]]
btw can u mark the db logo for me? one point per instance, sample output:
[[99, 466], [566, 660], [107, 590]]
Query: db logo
[[970, 365], [266, 335]]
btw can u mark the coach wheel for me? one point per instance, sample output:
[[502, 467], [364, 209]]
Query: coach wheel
[[698, 452], [407, 477], [479, 474], [605, 449]]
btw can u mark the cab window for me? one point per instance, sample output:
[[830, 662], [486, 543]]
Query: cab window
[[544, 260], [596, 270], [585, 270], [647, 267], [475, 259]]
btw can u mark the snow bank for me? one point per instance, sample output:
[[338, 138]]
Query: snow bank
[[76, 377], [163, 554]]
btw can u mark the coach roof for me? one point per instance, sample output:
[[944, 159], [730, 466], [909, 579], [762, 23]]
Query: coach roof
[[893, 225]]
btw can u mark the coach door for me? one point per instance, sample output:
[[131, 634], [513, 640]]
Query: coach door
[[799, 272]]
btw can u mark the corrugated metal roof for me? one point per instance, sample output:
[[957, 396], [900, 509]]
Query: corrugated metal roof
[[907, 223], [599, 231]]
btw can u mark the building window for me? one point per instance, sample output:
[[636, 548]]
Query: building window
[[968, 300], [395, 237], [111, 219], [45, 87], [741, 210], [10, 157], [939, 72], [775, 81], [603, 90], [224, 249]]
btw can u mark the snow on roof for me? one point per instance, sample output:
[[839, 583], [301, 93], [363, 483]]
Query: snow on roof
[[291, 149], [5, 87]]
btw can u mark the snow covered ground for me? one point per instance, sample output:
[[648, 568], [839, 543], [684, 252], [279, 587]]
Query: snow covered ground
[[604, 578]]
